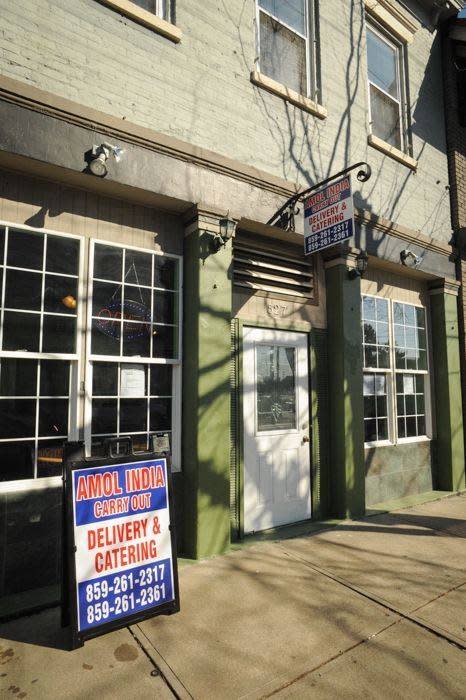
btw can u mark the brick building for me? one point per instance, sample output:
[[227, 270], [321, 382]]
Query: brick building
[[134, 136]]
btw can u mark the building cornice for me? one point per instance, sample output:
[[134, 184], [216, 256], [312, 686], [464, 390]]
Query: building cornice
[[391, 14], [445, 286], [33, 98], [404, 233]]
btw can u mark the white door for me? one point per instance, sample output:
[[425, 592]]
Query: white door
[[277, 485]]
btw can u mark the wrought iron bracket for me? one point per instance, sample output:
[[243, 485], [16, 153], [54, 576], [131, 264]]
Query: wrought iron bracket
[[284, 217]]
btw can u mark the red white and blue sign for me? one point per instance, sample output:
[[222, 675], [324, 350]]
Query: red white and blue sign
[[328, 216], [122, 537]]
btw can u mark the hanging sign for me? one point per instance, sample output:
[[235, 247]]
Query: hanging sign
[[328, 216], [121, 543]]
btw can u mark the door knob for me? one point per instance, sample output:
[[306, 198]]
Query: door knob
[[306, 438]]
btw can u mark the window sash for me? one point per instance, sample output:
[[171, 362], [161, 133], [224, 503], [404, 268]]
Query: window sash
[[408, 416], [308, 38], [377, 418], [92, 359], [285, 24], [80, 355], [400, 122], [123, 284], [400, 82], [391, 373], [41, 313], [40, 356]]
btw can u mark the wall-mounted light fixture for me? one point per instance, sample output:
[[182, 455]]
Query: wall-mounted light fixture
[[99, 157], [410, 259], [227, 229], [362, 262]]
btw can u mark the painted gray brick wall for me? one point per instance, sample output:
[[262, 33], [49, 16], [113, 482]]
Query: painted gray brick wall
[[199, 91]]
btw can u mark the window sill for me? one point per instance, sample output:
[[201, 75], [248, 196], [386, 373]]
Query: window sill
[[147, 19], [401, 441], [391, 151], [288, 95], [382, 443], [407, 441], [20, 485]]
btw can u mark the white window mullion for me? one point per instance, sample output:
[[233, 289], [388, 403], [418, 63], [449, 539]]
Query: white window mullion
[[118, 397], [42, 302], [2, 298], [392, 375]]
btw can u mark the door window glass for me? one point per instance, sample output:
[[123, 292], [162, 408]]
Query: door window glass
[[275, 387]]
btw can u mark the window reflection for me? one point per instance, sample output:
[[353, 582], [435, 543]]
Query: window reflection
[[135, 312], [142, 402], [276, 387], [40, 308]]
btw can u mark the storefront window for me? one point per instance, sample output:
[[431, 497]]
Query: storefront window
[[135, 304], [375, 407], [38, 336], [395, 365], [134, 364]]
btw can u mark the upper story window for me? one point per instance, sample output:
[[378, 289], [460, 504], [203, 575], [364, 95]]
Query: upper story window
[[387, 95], [284, 43], [157, 7], [153, 14]]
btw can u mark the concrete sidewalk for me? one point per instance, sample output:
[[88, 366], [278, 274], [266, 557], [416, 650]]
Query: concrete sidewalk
[[373, 608]]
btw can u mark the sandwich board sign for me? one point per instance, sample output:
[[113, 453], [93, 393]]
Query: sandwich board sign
[[328, 216], [121, 563]]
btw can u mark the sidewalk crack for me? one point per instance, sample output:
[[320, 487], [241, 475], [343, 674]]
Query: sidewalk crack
[[339, 655], [439, 632], [180, 693]]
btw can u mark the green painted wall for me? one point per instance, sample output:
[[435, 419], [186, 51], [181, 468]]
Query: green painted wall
[[449, 454], [319, 407], [346, 408], [206, 397]]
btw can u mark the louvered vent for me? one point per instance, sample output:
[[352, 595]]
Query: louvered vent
[[272, 267]]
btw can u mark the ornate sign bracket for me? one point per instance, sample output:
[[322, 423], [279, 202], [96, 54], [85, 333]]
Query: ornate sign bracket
[[284, 217]]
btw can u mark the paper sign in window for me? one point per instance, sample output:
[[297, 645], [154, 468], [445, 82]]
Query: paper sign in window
[[132, 381]]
